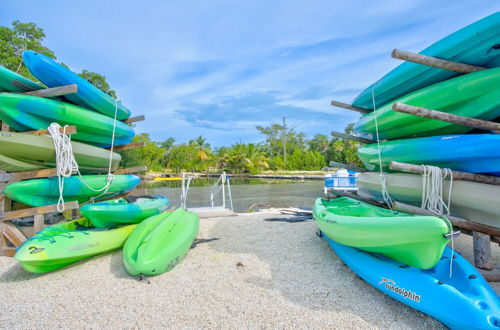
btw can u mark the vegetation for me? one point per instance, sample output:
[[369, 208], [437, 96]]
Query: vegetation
[[282, 149]]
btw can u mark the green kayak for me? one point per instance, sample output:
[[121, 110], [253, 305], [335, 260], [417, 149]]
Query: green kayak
[[40, 192], [14, 82], [473, 95], [160, 242], [132, 209], [416, 241], [25, 152], [63, 244]]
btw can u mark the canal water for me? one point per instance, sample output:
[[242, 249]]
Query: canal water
[[245, 192]]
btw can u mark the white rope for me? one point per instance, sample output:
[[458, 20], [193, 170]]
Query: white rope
[[432, 189], [385, 192], [66, 163]]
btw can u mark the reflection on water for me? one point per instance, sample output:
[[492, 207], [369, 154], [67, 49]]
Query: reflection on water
[[245, 192]]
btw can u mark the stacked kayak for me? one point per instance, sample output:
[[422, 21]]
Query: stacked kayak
[[475, 153], [40, 192], [63, 244], [416, 241], [160, 242], [14, 82], [132, 209], [24, 152]]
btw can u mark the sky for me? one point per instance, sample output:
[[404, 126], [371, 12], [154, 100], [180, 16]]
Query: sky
[[219, 68]]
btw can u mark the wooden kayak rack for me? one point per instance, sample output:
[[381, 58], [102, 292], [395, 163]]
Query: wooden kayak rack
[[12, 236], [481, 234]]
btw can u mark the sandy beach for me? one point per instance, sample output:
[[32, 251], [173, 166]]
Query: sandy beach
[[257, 274]]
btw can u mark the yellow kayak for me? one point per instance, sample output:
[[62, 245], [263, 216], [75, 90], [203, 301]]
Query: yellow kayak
[[167, 179]]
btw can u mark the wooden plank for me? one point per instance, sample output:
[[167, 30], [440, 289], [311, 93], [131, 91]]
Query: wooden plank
[[352, 137], [349, 107], [54, 91], [5, 127], [3, 209], [38, 223], [69, 131], [347, 166], [435, 62], [15, 176], [448, 117], [342, 193], [134, 119], [13, 234], [131, 170], [457, 175], [490, 276], [36, 210], [8, 252], [482, 251], [128, 146]]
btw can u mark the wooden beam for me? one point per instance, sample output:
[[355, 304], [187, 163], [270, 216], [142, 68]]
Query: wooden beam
[[5, 127], [131, 170], [456, 221], [128, 146], [352, 137], [457, 175], [13, 234], [342, 193], [38, 223], [435, 62], [448, 117], [36, 210], [490, 276], [54, 91], [349, 107], [134, 119], [482, 251], [69, 131], [15, 176], [347, 166], [8, 252]]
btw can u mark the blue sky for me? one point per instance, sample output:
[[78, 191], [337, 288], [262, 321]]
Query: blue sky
[[219, 68]]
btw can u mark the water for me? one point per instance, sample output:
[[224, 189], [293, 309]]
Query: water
[[245, 192]]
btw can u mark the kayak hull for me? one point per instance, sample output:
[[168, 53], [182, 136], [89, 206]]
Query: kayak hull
[[23, 152], [40, 192], [14, 82], [474, 95], [464, 301], [63, 244], [474, 44], [54, 74], [475, 153], [160, 242], [417, 241], [111, 213], [469, 200]]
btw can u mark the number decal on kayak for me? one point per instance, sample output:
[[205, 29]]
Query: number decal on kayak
[[172, 264]]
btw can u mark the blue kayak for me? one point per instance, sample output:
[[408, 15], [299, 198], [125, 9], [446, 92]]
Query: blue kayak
[[53, 74], [475, 153], [464, 301], [477, 44]]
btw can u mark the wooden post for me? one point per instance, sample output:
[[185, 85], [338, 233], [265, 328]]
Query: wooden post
[[134, 119], [444, 116], [69, 131], [356, 197], [38, 223], [352, 137], [347, 166], [457, 175], [128, 146], [350, 107], [435, 62], [54, 91], [482, 251]]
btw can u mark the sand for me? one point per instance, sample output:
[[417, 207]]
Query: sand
[[257, 274]]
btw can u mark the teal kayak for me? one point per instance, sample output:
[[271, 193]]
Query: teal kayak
[[159, 243], [14, 82], [132, 209], [477, 44]]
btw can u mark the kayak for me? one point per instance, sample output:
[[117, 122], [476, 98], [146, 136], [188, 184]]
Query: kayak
[[25, 152], [132, 209], [160, 242], [54, 74], [463, 301], [14, 82], [473, 95], [475, 44], [40, 192], [478, 202], [63, 244], [475, 153], [26, 113], [417, 241]]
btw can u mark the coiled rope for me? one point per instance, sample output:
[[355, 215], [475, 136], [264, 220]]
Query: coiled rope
[[432, 189], [66, 163]]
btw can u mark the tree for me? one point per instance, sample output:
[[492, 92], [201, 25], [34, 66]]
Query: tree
[[18, 38], [150, 155], [98, 81]]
